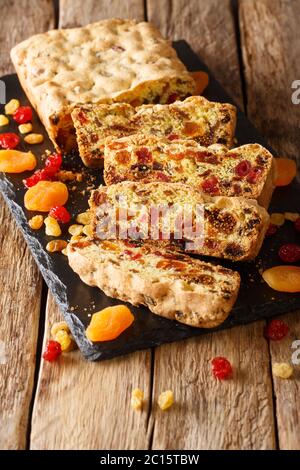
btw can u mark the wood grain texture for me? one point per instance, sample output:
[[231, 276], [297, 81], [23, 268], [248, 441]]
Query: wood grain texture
[[209, 29], [78, 13], [19, 277], [212, 415], [84, 405], [271, 47], [21, 19]]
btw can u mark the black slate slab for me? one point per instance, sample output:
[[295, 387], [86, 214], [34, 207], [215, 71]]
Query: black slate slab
[[78, 301]]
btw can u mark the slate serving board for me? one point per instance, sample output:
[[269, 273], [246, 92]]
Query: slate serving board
[[78, 301]]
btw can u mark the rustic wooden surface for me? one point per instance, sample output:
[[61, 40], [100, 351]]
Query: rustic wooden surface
[[248, 46]]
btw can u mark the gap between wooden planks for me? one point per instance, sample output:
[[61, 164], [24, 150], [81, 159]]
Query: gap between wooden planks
[[208, 415]]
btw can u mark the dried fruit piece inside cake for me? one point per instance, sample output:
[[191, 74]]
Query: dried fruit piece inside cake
[[112, 60], [171, 284], [225, 227], [246, 171], [194, 118]]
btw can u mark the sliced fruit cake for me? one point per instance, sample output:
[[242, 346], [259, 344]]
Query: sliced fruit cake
[[225, 227], [246, 171], [194, 118], [169, 283]]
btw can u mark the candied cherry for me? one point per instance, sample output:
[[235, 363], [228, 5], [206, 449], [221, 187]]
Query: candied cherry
[[254, 175], [23, 114], [173, 97], [297, 224], [13, 161], [109, 323], [46, 194], [271, 230], [221, 368], [243, 168], [211, 185], [286, 170], [283, 278], [9, 140], [162, 177], [60, 213], [289, 253], [276, 330], [201, 79], [39, 175], [52, 351], [53, 163], [143, 155]]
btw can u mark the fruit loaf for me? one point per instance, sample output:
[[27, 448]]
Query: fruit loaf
[[169, 283], [246, 171], [224, 227], [112, 60], [194, 118]]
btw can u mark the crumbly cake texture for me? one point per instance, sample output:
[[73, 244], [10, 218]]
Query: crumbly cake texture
[[194, 118], [234, 227], [112, 60], [246, 171], [169, 283]]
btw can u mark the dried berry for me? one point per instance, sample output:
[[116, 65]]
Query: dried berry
[[272, 229], [61, 214], [276, 330], [221, 368], [23, 114], [9, 140], [53, 351], [297, 224], [289, 253], [53, 163]]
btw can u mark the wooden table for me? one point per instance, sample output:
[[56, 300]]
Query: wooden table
[[252, 47]]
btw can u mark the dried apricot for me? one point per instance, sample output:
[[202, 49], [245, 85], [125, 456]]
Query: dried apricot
[[46, 194], [109, 323], [13, 161], [286, 171], [283, 278], [201, 79]]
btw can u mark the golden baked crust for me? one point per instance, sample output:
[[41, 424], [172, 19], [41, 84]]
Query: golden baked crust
[[170, 284], [194, 118], [112, 60], [245, 171], [233, 227]]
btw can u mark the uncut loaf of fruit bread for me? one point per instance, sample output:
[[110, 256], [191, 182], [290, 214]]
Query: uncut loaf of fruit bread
[[112, 60], [194, 118], [169, 283], [246, 171], [224, 227]]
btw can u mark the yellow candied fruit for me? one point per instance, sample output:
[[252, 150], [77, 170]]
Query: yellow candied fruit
[[56, 245], [33, 139], [137, 398], [36, 222], [84, 218], [3, 120], [88, 231], [277, 219], [60, 325], [75, 229], [76, 238], [64, 339], [165, 400], [25, 128], [292, 216], [283, 370], [52, 227], [12, 106]]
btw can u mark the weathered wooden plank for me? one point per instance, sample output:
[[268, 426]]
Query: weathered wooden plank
[[84, 405], [211, 415], [19, 277], [271, 48], [77, 13], [209, 29]]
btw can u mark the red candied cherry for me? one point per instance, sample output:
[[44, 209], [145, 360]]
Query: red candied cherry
[[173, 97], [143, 155], [173, 137], [61, 214], [23, 114], [162, 177], [52, 351], [53, 163], [243, 168], [297, 224], [9, 140], [289, 253], [276, 330], [39, 175], [254, 175], [211, 185], [221, 368], [271, 230]]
